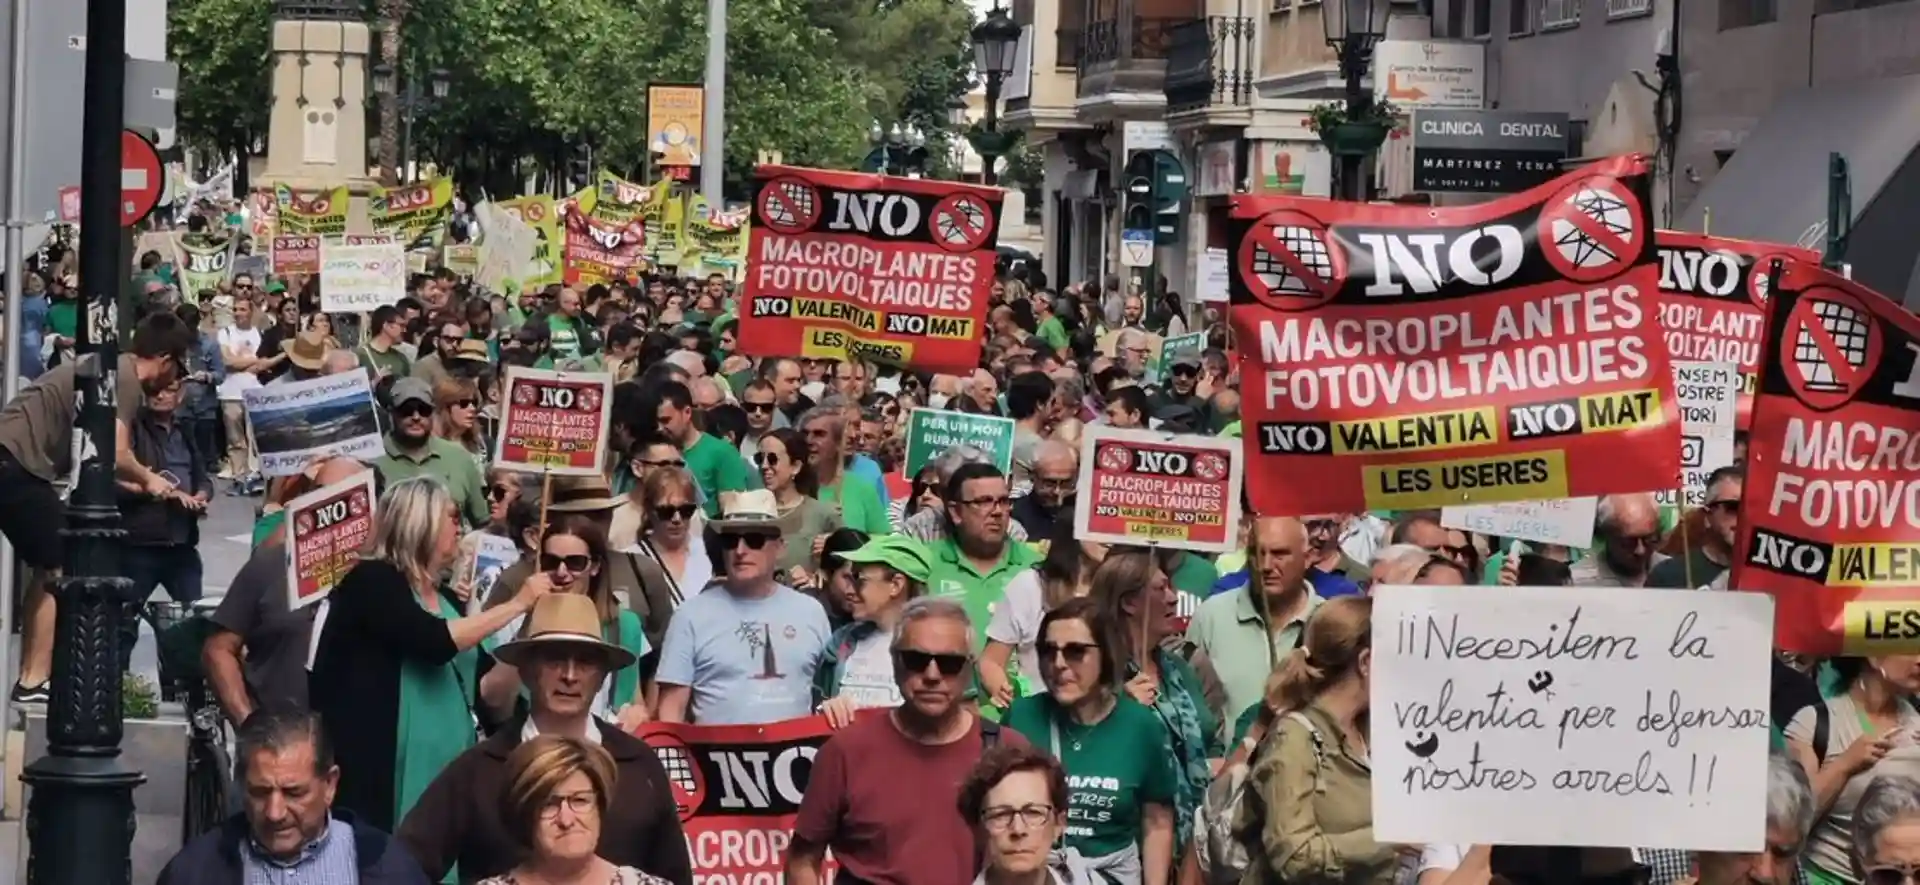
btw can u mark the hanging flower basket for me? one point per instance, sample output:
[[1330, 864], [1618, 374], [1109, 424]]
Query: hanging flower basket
[[1354, 139]]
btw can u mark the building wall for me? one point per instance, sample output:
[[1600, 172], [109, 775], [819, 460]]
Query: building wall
[[1733, 76], [1567, 68]]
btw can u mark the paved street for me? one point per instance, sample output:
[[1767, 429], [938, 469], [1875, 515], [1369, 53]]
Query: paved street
[[224, 545]]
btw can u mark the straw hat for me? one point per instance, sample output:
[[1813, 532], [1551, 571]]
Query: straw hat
[[308, 351], [754, 510], [582, 494], [566, 620]]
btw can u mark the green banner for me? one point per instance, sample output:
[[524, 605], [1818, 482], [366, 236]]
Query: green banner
[[932, 431]]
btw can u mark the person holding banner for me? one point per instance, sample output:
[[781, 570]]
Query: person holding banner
[[1116, 751], [396, 670]]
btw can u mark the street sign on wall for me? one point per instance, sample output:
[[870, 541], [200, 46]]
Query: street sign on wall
[[1430, 73], [1486, 152]]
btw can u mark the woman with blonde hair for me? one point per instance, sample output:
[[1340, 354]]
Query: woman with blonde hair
[[1308, 807], [456, 417], [395, 665], [556, 798], [671, 551]]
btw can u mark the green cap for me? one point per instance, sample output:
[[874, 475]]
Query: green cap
[[898, 552], [276, 286]]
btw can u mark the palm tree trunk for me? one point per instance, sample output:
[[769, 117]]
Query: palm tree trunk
[[395, 13]]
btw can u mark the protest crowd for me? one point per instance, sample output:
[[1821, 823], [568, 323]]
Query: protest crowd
[[592, 581]]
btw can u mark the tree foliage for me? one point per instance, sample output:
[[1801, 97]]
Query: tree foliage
[[531, 78]]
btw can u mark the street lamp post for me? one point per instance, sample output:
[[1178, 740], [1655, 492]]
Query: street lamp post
[[411, 104], [1352, 29], [902, 151], [80, 819], [996, 40]]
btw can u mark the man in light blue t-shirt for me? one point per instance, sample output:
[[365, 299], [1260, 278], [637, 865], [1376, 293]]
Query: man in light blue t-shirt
[[743, 653]]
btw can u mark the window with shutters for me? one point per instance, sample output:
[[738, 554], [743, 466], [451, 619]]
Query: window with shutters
[[1617, 9], [1557, 14]]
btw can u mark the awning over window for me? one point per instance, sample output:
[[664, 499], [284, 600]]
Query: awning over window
[[1774, 188]]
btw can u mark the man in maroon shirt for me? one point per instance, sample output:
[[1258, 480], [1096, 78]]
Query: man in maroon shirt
[[884, 791]]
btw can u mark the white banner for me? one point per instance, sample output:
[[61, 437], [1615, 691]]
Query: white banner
[[1570, 716], [1564, 521], [358, 278], [294, 421]]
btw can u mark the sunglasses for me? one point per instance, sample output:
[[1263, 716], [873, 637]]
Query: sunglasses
[[412, 410], [757, 408], [1074, 652], [1724, 506], [671, 462], [1892, 875], [668, 513], [753, 540], [766, 459], [575, 562], [1188, 371], [498, 493], [910, 661], [465, 403]]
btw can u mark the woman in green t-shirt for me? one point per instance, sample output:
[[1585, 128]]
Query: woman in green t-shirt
[[1119, 763]]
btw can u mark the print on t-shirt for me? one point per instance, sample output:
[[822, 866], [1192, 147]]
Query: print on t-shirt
[[758, 635]]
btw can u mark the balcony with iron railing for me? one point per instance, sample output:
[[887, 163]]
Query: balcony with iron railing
[[1127, 54], [1210, 64]]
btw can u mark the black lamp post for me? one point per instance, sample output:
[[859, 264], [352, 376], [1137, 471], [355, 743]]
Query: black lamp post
[[80, 819], [1353, 27], [411, 104], [900, 151], [996, 40]]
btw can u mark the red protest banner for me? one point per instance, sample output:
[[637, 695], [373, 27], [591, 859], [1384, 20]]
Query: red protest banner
[[554, 422], [295, 255], [1832, 527], [737, 789], [852, 265], [1158, 488], [366, 240], [1396, 357], [600, 251], [1713, 300], [325, 530]]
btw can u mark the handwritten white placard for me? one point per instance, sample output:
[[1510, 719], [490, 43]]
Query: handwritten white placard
[[1701, 453], [1565, 521], [360, 278], [1706, 393], [1570, 716]]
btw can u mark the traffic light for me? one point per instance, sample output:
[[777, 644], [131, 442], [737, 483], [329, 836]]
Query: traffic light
[[1169, 195], [1140, 206], [580, 165]]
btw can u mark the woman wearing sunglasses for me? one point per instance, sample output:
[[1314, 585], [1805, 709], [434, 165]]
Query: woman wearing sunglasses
[[669, 534], [784, 471], [456, 417], [856, 670], [1121, 820], [573, 556]]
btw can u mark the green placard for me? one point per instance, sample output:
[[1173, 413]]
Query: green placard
[[1192, 342], [932, 431]]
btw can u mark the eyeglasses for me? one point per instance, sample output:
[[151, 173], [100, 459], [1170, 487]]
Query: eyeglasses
[[581, 804], [498, 493], [668, 513], [412, 409], [989, 504], [1732, 506], [666, 462], [757, 407], [450, 339], [1000, 818], [1892, 875], [1320, 526], [575, 562], [1648, 541], [1074, 652], [910, 661], [753, 540], [1059, 485]]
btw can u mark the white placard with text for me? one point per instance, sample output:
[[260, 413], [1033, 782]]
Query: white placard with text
[[1707, 394], [1570, 716], [1564, 521]]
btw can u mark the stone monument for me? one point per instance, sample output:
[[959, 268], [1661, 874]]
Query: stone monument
[[317, 136]]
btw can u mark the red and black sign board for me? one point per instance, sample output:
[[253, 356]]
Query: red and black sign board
[[1404, 357], [554, 422], [1830, 524], [599, 251], [295, 254], [1157, 488], [1713, 302], [848, 265], [737, 789]]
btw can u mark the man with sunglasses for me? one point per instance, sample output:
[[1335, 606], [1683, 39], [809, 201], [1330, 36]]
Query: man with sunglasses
[[1627, 532], [448, 330], [1182, 384], [1713, 550], [758, 401], [413, 450], [743, 652], [884, 792]]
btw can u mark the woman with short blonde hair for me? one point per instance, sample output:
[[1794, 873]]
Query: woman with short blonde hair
[[556, 797]]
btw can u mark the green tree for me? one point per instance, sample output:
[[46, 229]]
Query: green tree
[[916, 59], [224, 49]]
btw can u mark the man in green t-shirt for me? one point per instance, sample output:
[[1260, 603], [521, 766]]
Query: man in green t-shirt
[[975, 558], [715, 465], [1713, 552], [377, 354]]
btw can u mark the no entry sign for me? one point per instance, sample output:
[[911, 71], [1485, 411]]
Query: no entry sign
[[141, 178]]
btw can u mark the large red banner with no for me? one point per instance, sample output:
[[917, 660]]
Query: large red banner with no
[[326, 528], [1830, 524], [295, 254], [554, 422], [738, 789], [1713, 302], [601, 251], [869, 266], [1394, 357]]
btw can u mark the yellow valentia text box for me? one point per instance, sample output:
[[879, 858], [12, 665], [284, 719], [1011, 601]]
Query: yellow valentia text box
[[1428, 431]]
